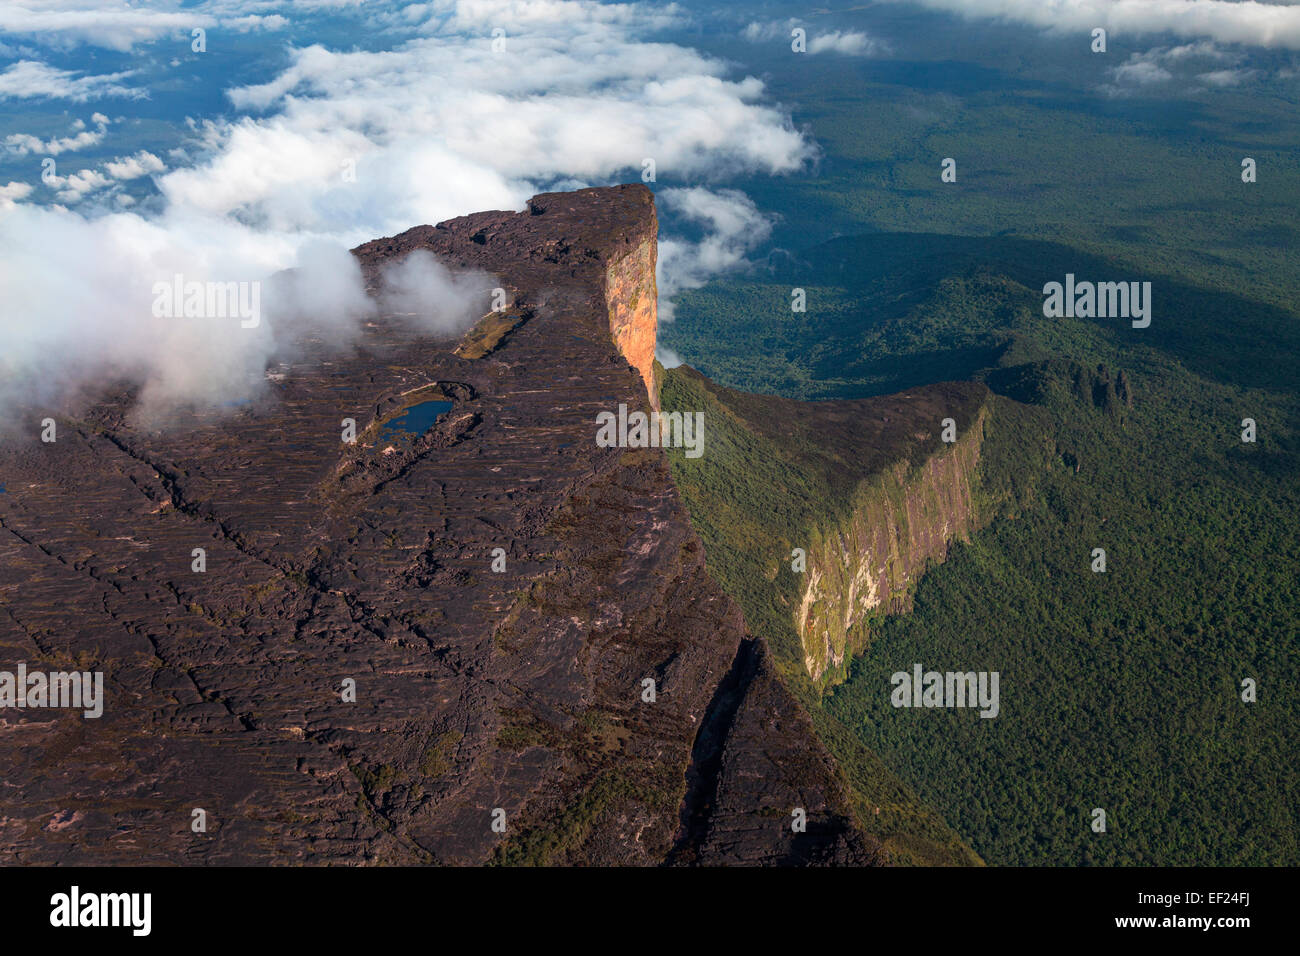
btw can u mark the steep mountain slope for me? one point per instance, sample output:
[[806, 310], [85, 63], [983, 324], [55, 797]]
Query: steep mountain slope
[[861, 488], [1122, 689]]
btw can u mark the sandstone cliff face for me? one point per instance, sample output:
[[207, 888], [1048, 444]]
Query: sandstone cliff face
[[903, 518], [632, 296]]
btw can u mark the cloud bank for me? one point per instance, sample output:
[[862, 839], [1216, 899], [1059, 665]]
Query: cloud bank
[[115, 25], [478, 105], [848, 43], [1226, 21], [1200, 64], [29, 79], [24, 144]]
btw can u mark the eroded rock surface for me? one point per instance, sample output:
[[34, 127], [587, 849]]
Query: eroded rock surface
[[476, 690], [765, 791]]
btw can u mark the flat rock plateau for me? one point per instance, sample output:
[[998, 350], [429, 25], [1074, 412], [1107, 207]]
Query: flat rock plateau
[[476, 690]]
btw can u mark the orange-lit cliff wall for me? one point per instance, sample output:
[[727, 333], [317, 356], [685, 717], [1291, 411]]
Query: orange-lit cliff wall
[[632, 298]]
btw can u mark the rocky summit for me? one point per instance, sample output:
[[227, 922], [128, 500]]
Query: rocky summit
[[493, 641]]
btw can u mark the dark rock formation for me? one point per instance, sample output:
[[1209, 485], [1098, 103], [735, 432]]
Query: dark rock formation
[[748, 783], [476, 689]]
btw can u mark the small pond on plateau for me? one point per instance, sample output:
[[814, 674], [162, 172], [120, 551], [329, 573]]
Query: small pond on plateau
[[415, 421]]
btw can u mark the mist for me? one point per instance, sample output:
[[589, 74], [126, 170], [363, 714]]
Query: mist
[[87, 302], [339, 148]]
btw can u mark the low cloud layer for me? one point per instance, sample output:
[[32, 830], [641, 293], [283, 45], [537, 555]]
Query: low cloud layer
[[478, 105], [115, 25], [1200, 64], [79, 138], [1226, 21], [731, 225], [847, 42], [115, 316], [32, 80]]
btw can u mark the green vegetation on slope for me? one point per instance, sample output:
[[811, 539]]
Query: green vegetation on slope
[[1047, 146], [1119, 690], [771, 470]]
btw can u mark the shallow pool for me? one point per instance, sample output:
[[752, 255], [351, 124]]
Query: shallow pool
[[415, 421]]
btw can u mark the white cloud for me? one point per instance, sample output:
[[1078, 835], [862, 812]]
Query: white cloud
[[249, 23], [74, 188], [28, 79], [849, 43], [143, 163], [79, 299], [103, 23], [1226, 21], [423, 290], [241, 8], [1226, 78], [1202, 49], [24, 144], [439, 126], [1141, 72], [77, 186], [11, 193], [443, 125], [732, 226], [115, 25], [1190, 66]]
